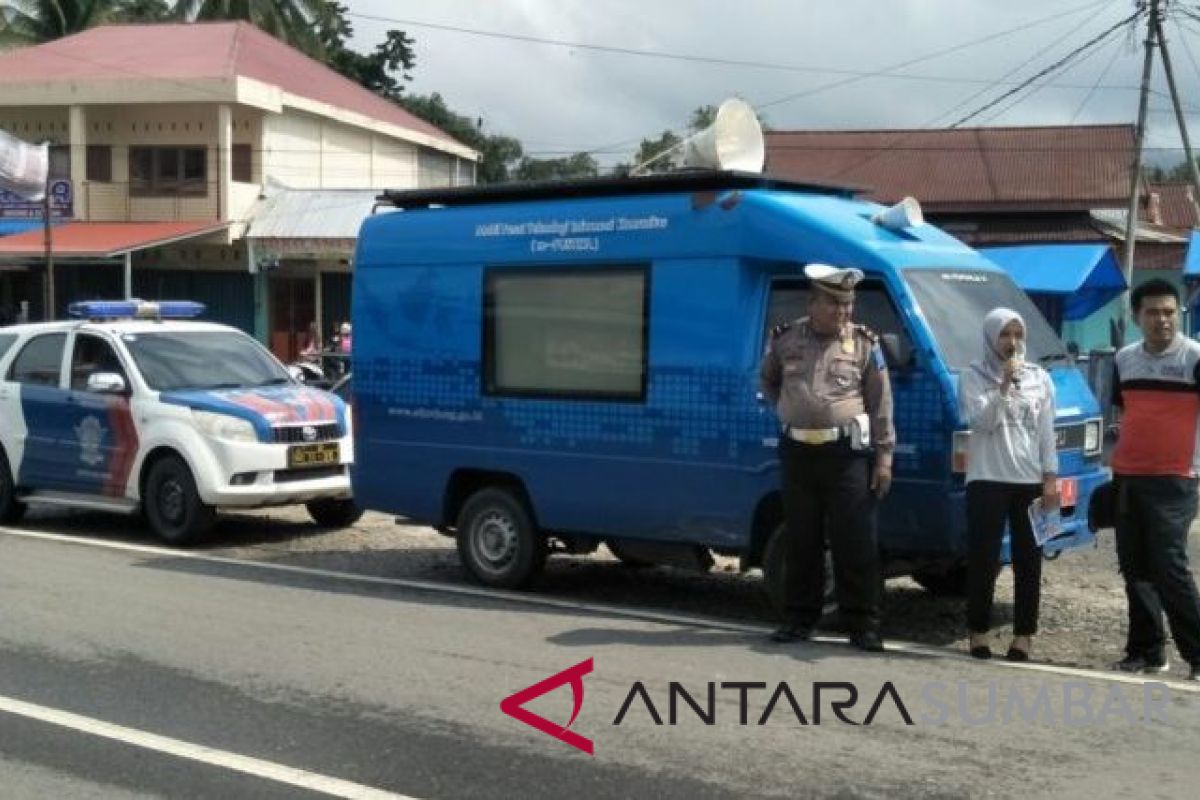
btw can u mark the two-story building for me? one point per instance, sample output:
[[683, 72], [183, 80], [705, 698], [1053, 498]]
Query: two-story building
[[170, 135]]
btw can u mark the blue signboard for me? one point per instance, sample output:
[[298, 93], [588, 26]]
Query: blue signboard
[[14, 206]]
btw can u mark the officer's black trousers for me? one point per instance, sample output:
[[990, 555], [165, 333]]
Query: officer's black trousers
[[990, 504], [827, 498], [1153, 517]]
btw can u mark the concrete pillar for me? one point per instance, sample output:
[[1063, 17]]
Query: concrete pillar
[[128, 276], [77, 136], [224, 162]]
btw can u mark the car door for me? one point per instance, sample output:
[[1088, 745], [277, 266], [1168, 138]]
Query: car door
[[35, 377], [98, 422]]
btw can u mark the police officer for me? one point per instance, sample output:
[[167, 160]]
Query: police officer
[[829, 383]]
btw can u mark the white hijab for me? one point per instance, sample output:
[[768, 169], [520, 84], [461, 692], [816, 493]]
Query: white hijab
[[992, 363]]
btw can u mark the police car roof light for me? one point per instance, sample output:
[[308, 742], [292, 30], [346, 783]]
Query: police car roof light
[[136, 309]]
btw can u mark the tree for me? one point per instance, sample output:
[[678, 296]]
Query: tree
[[25, 22], [374, 71], [580, 165], [650, 149], [293, 21]]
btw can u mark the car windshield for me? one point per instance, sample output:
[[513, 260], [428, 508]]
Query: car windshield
[[954, 303], [203, 360]]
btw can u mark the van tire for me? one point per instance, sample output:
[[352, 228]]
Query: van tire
[[11, 509], [172, 503], [774, 573], [498, 544], [950, 582], [331, 512]]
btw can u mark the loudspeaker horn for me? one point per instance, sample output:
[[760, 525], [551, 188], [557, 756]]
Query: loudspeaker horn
[[905, 214], [734, 141]]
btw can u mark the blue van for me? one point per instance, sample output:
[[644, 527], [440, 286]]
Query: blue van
[[546, 367]]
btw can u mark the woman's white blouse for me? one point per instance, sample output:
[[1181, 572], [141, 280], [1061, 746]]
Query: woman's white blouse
[[1012, 433]]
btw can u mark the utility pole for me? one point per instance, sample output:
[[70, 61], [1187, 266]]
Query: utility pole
[[1135, 180], [1154, 35], [1179, 118], [48, 242]]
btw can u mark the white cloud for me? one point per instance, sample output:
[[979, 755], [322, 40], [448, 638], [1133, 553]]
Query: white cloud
[[567, 99]]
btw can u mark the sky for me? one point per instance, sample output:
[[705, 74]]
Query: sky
[[803, 64]]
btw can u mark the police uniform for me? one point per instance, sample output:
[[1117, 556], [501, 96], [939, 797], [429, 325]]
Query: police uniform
[[819, 384]]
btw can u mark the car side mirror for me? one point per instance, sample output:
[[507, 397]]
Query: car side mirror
[[897, 352], [106, 383]]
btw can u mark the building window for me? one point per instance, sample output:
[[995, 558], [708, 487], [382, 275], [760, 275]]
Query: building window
[[60, 162], [566, 334], [168, 171], [243, 165], [99, 163]]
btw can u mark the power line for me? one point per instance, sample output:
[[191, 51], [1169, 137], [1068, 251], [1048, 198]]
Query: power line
[[1091, 92], [1052, 68], [699, 59]]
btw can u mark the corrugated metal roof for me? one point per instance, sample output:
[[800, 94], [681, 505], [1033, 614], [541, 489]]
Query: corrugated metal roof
[[104, 239], [977, 169], [310, 213]]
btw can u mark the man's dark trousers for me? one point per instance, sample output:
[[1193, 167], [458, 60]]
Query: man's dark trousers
[[827, 497], [1153, 517]]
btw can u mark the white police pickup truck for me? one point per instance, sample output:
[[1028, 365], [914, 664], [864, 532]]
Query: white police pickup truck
[[135, 406]]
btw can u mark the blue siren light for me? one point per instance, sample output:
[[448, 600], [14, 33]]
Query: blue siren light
[[136, 309]]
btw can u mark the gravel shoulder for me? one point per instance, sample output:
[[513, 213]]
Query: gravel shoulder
[[1082, 613]]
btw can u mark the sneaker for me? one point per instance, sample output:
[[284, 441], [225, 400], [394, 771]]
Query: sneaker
[[791, 632], [1142, 664]]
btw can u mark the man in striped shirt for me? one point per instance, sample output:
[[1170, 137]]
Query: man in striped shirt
[[1155, 469]]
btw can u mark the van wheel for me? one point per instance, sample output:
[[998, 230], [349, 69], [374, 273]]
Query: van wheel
[[497, 541], [950, 582], [173, 506], [334, 513], [11, 509], [775, 573]]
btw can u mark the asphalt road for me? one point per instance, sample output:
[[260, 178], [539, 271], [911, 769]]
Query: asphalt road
[[241, 680]]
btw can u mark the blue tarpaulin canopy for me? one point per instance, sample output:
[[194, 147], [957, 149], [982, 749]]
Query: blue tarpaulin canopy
[[11, 226], [1086, 275], [1191, 264]]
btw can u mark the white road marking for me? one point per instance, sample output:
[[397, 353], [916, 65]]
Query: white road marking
[[335, 787], [661, 617]]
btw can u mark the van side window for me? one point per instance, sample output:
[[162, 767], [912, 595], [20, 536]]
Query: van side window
[[567, 334], [872, 306], [92, 355], [6, 342], [40, 360]]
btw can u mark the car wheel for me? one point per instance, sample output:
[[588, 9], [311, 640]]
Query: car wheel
[[497, 541], [334, 513], [173, 506], [11, 509], [775, 571]]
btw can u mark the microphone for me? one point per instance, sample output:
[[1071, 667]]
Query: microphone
[[1017, 360]]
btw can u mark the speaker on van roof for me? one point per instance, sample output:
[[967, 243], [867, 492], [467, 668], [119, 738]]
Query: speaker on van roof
[[905, 214], [734, 140]]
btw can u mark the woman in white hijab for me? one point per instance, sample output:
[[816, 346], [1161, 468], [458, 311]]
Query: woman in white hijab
[[1011, 461]]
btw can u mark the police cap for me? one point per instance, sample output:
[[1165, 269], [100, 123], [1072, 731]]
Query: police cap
[[839, 282]]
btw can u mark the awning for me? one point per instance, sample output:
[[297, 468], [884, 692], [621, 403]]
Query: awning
[[1086, 275], [103, 239], [1191, 263], [8, 227]]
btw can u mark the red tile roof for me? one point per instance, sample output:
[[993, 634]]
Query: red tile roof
[[969, 169], [1176, 208], [102, 239], [191, 51]]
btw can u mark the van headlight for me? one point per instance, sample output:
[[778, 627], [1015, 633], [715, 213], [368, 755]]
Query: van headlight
[[224, 427], [1093, 439]]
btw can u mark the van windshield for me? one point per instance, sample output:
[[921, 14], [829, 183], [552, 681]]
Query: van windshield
[[954, 303]]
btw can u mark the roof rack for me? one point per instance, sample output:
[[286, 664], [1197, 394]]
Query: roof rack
[[664, 183]]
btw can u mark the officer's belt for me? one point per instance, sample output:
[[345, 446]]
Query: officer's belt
[[815, 435]]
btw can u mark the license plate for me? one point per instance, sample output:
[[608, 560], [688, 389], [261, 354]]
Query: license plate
[[1068, 492], [323, 454]]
